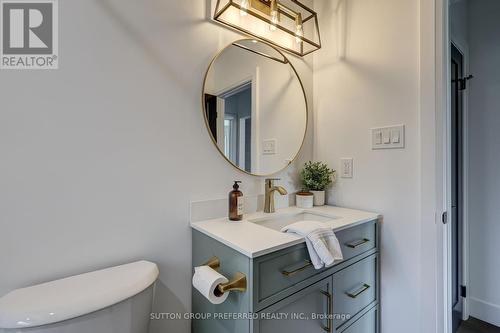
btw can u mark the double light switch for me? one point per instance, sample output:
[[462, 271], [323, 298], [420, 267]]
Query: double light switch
[[388, 137]]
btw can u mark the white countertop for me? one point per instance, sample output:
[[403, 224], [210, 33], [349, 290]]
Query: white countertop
[[254, 240]]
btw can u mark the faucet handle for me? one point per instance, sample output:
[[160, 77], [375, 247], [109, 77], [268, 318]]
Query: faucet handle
[[270, 181]]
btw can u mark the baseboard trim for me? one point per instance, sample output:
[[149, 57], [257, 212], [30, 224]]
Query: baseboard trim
[[484, 311]]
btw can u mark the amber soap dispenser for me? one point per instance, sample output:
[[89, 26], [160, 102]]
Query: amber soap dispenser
[[236, 203]]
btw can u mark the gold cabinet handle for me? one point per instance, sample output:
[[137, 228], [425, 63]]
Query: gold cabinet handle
[[329, 309], [358, 243], [305, 265], [358, 292]]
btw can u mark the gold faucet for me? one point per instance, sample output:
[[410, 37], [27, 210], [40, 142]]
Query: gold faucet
[[270, 188]]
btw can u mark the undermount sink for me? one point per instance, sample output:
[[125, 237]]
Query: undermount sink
[[280, 221]]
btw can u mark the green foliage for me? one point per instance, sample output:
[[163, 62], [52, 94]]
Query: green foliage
[[316, 176]]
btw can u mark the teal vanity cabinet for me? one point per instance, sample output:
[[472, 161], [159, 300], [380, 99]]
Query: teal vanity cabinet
[[286, 294]]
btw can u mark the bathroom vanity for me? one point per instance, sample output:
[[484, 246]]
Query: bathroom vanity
[[284, 292]]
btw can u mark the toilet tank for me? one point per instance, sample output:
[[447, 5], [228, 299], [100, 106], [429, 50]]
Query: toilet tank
[[116, 299]]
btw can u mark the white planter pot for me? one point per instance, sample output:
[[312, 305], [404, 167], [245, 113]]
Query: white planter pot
[[319, 198], [304, 200]]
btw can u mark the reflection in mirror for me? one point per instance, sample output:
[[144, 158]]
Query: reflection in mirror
[[255, 107]]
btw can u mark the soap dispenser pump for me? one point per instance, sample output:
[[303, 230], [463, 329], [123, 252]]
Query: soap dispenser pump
[[236, 203]]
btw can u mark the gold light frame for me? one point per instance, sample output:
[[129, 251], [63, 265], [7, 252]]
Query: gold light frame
[[289, 12], [207, 125]]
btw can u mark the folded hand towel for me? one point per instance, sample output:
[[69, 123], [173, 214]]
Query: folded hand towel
[[322, 244]]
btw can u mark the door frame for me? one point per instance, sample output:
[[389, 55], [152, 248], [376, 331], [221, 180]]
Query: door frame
[[463, 48], [443, 44], [435, 112], [442, 166], [254, 80]]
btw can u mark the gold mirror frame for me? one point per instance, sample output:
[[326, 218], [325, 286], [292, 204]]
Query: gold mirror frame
[[204, 111]]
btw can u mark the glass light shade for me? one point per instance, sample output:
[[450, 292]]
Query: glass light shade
[[279, 28]]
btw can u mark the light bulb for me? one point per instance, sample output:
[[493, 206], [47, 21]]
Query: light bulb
[[274, 21], [274, 15], [245, 4], [299, 29], [299, 33]]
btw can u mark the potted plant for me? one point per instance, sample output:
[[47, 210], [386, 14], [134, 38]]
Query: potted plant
[[316, 177]]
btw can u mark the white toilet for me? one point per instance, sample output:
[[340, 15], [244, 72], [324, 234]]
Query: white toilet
[[112, 300]]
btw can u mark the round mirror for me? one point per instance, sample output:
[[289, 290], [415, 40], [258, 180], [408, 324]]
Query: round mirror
[[255, 107]]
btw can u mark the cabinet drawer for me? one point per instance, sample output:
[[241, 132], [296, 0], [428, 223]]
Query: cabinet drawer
[[357, 240], [276, 272], [368, 323], [354, 288]]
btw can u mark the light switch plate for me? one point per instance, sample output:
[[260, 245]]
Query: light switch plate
[[269, 146], [390, 137], [346, 165]]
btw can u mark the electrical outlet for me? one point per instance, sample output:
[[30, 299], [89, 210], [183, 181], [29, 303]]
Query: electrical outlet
[[346, 167]]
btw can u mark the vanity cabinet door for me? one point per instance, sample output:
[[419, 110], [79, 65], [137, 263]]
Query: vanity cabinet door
[[368, 323], [309, 310]]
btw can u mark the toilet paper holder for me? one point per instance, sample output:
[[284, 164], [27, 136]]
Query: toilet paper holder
[[237, 283]]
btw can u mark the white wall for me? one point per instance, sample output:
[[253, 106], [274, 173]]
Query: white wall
[[100, 159], [367, 75], [484, 143], [459, 22]]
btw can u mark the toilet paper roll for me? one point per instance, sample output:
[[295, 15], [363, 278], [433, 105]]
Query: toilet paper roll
[[206, 280]]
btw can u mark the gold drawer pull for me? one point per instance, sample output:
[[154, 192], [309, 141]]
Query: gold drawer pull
[[305, 265], [358, 292], [329, 322], [358, 243]]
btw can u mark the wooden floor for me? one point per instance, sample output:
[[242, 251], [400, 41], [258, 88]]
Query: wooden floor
[[474, 325]]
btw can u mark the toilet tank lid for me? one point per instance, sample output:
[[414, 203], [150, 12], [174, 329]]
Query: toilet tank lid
[[75, 296]]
